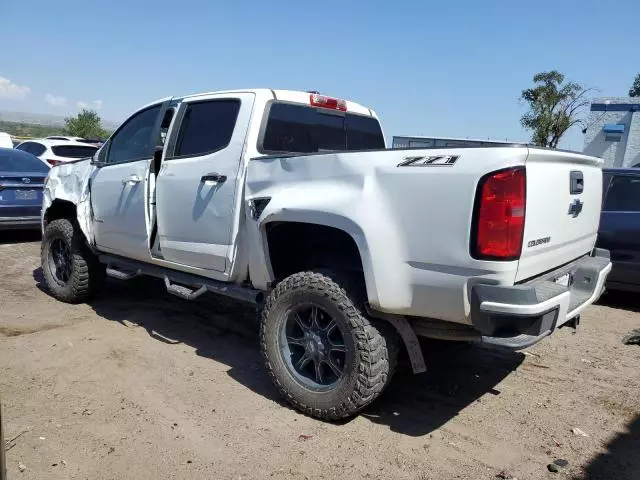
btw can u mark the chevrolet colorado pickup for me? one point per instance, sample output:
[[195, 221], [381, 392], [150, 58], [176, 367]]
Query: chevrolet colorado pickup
[[290, 200]]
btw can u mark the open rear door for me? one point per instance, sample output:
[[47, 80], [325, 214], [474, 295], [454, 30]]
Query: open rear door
[[197, 184]]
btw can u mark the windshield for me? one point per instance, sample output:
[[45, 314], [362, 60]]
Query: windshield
[[74, 151], [302, 129], [13, 161]]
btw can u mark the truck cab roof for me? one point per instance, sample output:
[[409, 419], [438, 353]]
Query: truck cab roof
[[291, 96]]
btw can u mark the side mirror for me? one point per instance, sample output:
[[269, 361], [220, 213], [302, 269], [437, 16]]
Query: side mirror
[[100, 156]]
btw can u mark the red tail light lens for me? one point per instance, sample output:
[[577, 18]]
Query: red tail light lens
[[53, 163], [327, 102], [500, 215]]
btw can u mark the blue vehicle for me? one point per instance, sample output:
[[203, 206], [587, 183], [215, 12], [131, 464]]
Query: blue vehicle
[[619, 230], [22, 177]]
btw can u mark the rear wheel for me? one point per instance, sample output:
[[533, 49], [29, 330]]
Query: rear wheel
[[70, 270], [324, 356]]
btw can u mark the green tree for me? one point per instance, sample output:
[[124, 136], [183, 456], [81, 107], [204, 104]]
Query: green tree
[[634, 91], [86, 124], [554, 107]]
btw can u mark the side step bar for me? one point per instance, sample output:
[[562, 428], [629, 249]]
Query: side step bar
[[120, 274], [183, 285]]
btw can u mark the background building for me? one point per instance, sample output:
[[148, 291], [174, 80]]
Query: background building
[[423, 142], [613, 131]]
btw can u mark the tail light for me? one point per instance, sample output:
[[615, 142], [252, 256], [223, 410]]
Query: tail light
[[327, 102], [53, 163], [500, 214]]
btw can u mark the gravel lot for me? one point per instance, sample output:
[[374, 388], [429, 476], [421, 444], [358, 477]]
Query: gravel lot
[[142, 385]]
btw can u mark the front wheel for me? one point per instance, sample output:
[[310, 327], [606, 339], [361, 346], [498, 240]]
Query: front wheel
[[324, 356], [70, 270]]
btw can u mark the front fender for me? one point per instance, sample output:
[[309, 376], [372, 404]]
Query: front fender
[[70, 183]]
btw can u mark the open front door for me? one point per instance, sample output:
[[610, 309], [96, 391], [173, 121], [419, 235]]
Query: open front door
[[119, 185], [197, 183]]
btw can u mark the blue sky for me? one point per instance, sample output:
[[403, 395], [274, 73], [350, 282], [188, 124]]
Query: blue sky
[[453, 68]]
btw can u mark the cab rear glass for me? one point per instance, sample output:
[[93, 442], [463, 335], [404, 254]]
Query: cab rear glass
[[293, 128], [74, 151]]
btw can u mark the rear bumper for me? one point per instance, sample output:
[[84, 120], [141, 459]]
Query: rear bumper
[[519, 316], [18, 223]]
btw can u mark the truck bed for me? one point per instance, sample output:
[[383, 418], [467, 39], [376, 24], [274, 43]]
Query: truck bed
[[411, 212]]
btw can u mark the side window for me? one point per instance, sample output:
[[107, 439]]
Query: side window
[[606, 181], [37, 149], [33, 148], [133, 140], [25, 147], [623, 194], [206, 127]]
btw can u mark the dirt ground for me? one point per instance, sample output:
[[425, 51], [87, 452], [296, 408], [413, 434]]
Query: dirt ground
[[141, 385]]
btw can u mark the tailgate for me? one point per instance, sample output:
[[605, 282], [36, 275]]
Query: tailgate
[[564, 196]]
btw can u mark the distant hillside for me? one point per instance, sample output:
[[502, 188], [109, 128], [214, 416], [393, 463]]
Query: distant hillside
[[44, 120], [23, 129]]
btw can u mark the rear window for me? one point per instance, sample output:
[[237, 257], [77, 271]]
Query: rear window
[[74, 151], [13, 161], [301, 129], [623, 194]]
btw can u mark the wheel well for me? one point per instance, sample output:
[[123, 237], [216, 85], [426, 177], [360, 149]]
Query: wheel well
[[296, 247], [60, 209]]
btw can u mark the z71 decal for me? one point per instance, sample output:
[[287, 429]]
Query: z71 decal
[[430, 161]]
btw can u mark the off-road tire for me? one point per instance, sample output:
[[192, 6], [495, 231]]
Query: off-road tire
[[87, 274], [365, 377]]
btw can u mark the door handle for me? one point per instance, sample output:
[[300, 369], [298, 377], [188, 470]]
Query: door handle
[[131, 180], [213, 178], [576, 182]]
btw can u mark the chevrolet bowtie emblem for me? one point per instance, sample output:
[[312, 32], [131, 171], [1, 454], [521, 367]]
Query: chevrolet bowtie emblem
[[575, 208]]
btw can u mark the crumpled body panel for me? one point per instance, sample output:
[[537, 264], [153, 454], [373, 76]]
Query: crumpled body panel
[[71, 183]]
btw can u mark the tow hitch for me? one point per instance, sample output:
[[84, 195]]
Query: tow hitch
[[573, 323]]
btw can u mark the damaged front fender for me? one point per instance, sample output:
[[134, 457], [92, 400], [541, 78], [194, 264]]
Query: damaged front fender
[[70, 183]]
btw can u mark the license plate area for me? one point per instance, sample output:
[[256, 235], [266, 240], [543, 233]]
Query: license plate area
[[565, 280], [26, 194]]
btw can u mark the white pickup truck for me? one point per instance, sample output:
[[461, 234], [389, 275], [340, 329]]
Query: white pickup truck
[[290, 200]]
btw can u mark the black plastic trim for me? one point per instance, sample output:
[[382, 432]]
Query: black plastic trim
[[128, 267], [510, 325]]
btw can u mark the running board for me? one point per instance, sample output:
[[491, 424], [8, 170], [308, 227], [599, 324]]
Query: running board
[[121, 274], [183, 292], [180, 284]]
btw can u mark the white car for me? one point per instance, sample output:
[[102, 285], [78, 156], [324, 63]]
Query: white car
[[5, 140], [55, 151], [65, 138], [290, 200]]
